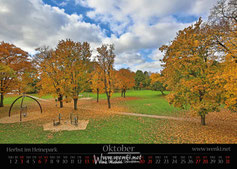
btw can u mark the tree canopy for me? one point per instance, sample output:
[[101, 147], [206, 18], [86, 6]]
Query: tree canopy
[[106, 61], [190, 68], [14, 64], [125, 80]]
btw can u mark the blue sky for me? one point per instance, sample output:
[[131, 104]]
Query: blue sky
[[137, 28]]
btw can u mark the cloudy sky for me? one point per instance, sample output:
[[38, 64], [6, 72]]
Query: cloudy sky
[[137, 28]]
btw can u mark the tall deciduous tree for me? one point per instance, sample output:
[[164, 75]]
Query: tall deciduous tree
[[5, 73], [76, 62], [106, 60], [51, 72], [157, 83], [125, 80], [190, 67], [229, 73], [223, 20], [147, 80], [14, 62], [139, 79], [97, 83]]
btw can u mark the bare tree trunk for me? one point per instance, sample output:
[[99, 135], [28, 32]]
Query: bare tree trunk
[[203, 120], [124, 93], [60, 99], [75, 103], [97, 95], [109, 105], [1, 101], [108, 99], [61, 103]]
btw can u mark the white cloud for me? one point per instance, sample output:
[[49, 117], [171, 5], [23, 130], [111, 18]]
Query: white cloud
[[136, 61], [120, 14], [147, 25], [202, 7], [129, 58], [156, 55], [141, 36], [149, 66], [31, 23], [136, 25], [142, 24]]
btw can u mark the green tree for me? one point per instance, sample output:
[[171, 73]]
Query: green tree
[[147, 80], [139, 79]]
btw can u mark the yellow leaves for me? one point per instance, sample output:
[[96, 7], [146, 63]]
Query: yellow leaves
[[105, 62], [96, 80], [155, 77], [228, 73], [124, 79], [196, 43], [65, 69], [14, 64], [189, 70]]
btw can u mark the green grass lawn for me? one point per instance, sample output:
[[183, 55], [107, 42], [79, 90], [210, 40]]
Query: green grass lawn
[[115, 129], [8, 99], [150, 102], [129, 93]]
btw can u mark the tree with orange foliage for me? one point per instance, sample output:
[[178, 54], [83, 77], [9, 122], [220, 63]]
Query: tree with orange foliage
[[14, 62], [51, 73], [97, 84], [125, 80], [157, 83], [5, 73], [106, 60], [190, 68], [75, 61], [223, 20], [229, 72]]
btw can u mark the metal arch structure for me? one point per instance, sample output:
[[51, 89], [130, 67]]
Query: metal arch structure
[[22, 103]]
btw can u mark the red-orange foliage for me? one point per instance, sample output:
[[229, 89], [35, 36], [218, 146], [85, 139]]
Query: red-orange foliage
[[14, 63], [125, 80], [106, 60], [97, 84]]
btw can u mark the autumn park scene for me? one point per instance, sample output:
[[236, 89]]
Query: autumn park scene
[[77, 92]]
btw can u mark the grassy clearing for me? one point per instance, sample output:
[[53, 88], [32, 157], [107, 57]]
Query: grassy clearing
[[117, 129], [221, 128], [150, 102], [114, 129], [9, 99], [129, 93]]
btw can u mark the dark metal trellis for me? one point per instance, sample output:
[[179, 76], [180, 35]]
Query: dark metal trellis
[[23, 96]]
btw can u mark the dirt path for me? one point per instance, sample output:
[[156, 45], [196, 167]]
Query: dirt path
[[156, 116], [37, 98], [190, 119]]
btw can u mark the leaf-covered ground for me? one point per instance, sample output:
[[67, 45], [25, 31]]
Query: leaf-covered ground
[[106, 126]]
